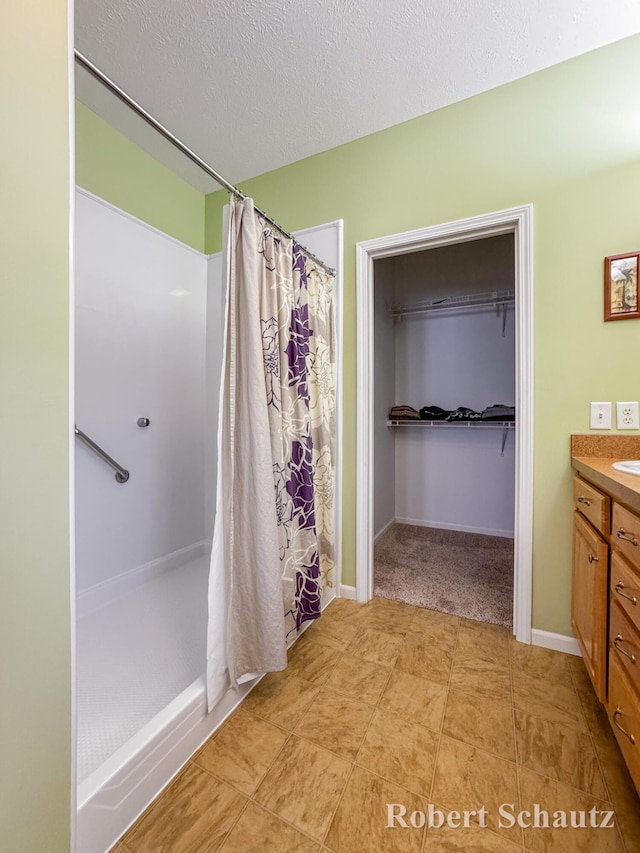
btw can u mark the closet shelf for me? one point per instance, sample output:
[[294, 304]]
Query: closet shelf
[[479, 424], [493, 299], [505, 426]]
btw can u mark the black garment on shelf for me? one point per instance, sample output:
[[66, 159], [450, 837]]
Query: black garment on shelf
[[434, 413], [464, 414]]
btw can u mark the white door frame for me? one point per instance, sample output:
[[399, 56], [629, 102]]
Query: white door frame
[[519, 222]]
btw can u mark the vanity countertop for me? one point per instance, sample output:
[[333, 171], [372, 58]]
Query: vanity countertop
[[592, 456]]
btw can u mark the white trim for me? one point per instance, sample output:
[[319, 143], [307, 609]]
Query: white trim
[[364, 426], [100, 594], [558, 642], [73, 792], [523, 522], [144, 224], [460, 528], [518, 221], [339, 302], [383, 530], [347, 591]]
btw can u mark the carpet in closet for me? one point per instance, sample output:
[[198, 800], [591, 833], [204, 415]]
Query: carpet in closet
[[464, 574]]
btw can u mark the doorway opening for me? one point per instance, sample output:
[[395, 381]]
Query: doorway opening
[[445, 479]]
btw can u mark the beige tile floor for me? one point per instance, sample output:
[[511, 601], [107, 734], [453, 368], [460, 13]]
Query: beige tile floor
[[387, 703]]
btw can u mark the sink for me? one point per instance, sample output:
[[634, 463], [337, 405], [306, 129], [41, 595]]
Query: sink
[[629, 466]]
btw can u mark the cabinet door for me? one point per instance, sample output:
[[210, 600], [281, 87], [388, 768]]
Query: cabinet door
[[589, 600]]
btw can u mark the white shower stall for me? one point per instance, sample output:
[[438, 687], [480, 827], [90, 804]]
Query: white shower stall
[[148, 329], [149, 339]]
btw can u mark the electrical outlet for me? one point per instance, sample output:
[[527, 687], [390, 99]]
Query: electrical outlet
[[627, 415], [600, 416]]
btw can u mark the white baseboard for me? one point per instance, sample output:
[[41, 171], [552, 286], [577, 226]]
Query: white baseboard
[[557, 642], [463, 528], [347, 592], [383, 530], [111, 590]]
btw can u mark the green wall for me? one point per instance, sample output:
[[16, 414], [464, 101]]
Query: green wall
[[35, 710], [114, 168], [566, 139]]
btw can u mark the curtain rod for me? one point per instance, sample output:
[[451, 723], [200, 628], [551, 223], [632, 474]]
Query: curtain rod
[[177, 143]]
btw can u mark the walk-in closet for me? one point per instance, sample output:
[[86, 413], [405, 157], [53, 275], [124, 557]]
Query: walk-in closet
[[444, 433]]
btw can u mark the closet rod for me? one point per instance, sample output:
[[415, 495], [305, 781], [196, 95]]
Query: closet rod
[[495, 299], [177, 143]]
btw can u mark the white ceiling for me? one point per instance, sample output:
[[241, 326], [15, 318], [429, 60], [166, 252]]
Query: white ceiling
[[251, 85]]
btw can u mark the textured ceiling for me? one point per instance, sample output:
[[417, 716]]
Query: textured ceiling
[[251, 85]]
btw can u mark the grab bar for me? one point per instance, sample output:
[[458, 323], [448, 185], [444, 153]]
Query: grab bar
[[122, 475]]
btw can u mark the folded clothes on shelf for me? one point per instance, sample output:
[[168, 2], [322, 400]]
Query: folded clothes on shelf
[[462, 413], [434, 413], [399, 413], [499, 412]]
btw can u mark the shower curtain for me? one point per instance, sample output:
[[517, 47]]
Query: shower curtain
[[273, 545]]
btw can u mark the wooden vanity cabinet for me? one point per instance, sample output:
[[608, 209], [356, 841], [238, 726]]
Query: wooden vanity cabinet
[[623, 704], [623, 709], [589, 600], [605, 609]]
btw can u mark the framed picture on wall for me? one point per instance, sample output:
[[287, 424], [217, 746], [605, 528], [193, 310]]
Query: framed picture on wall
[[621, 286]]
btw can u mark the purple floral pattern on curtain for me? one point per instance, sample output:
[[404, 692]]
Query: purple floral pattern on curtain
[[273, 544], [300, 265], [307, 587], [299, 368], [300, 486], [298, 350]]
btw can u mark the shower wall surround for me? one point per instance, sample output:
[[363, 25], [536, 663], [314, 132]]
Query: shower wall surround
[[141, 318]]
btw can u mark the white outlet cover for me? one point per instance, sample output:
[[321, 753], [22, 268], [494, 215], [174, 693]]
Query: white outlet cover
[[627, 415], [600, 417]]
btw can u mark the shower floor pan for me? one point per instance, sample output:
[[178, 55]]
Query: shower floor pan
[[141, 699]]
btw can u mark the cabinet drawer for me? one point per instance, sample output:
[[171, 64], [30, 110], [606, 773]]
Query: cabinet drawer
[[625, 533], [592, 503], [624, 712], [624, 644], [625, 588]]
